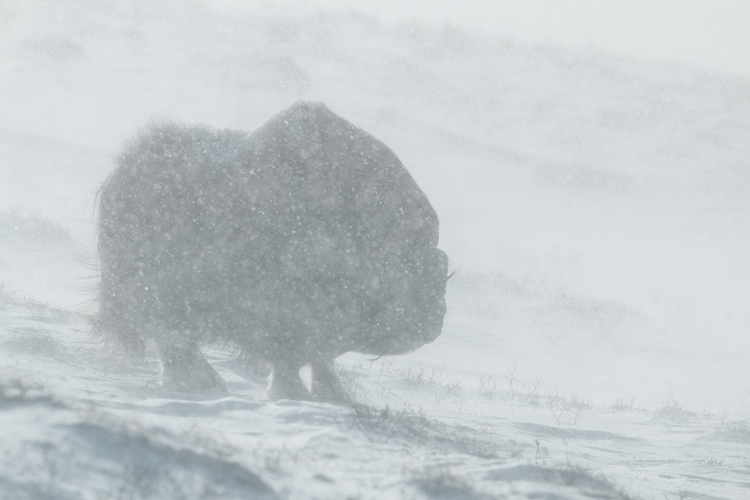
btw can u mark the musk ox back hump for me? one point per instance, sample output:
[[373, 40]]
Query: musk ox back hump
[[307, 236]]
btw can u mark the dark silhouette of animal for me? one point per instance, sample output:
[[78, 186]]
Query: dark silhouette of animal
[[300, 241]]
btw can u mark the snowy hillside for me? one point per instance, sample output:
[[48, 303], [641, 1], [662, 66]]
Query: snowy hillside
[[596, 211]]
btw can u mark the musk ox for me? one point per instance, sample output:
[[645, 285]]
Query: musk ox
[[298, 242]]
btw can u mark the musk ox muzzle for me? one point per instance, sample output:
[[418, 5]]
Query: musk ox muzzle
[[300, 241]]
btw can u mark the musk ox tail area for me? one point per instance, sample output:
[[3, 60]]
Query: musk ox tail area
[[298, 242]]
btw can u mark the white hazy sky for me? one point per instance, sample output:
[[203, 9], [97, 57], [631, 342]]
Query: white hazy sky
[[707, 34]]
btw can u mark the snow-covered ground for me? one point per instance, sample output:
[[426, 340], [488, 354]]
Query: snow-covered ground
[[596, 210]]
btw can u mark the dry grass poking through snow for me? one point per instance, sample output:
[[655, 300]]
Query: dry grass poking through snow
[[434, 380], [418, 429]]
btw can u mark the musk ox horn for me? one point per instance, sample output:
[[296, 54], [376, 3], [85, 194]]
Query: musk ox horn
[[267, 241]]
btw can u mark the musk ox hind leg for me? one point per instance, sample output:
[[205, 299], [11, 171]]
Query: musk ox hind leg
[[326, 385], [184, 369]]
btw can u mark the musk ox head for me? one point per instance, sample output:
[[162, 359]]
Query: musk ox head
[[406, 305]]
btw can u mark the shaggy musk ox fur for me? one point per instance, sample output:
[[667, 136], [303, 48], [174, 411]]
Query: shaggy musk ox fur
[[296, 243]]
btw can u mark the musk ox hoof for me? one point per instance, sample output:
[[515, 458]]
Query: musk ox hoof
[[325, 386]]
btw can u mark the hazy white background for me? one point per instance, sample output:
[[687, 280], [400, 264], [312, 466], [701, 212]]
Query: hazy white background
[[708, 34], [595, 206]]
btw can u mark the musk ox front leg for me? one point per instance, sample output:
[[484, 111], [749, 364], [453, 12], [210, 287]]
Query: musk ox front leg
[[184, 369], [326, 385], [286, 383]]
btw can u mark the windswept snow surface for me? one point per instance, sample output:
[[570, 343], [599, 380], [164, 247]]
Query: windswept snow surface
[[596, 210]]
